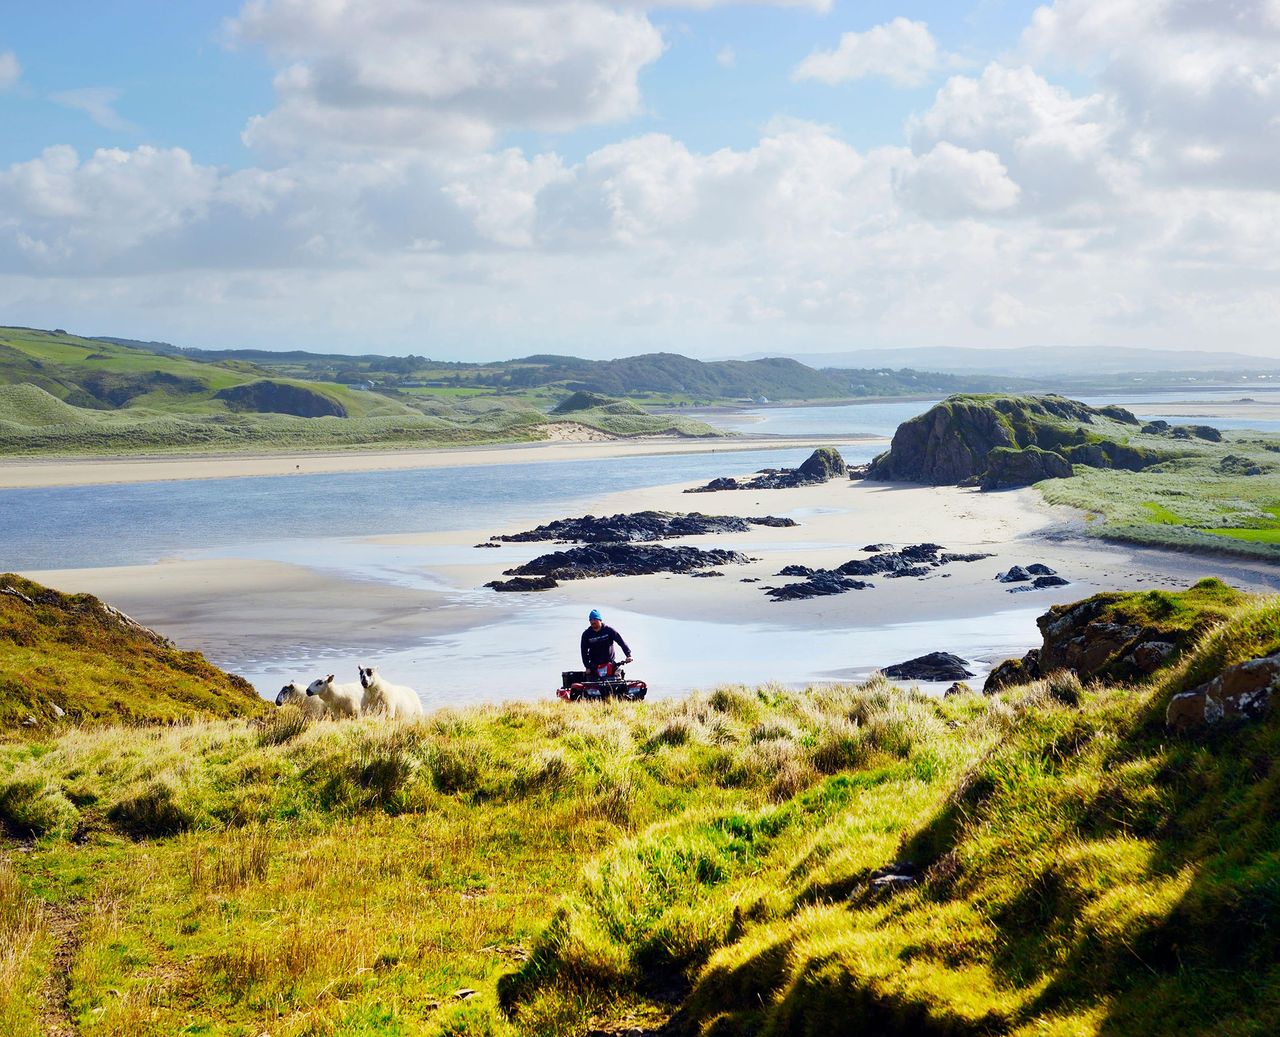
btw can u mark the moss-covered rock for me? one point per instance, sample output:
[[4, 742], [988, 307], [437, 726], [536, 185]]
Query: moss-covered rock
[[955, 442], [1007, 468]]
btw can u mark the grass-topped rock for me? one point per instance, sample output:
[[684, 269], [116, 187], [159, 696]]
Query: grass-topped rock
[[71, 658], [1121, 635], [1037, 437]]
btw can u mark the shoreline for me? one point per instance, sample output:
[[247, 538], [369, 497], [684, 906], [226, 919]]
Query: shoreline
[[32, 473], [421, 613]]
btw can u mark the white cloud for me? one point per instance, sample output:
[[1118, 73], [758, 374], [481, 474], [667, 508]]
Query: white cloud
[[726, 57], [1056, 147], [57, 210], [97, 102], [901, 51], [10, 70], [950, 182], [1196, 81], [442, 75]]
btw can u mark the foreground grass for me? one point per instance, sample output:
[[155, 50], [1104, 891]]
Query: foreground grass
[[705, 862]]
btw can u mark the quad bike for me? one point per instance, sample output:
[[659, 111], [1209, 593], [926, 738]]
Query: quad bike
[[606, 681]]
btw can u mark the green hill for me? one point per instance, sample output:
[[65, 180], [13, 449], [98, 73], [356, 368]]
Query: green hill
[[33, 407], [1053, 860], [72, 659], [62, 394]]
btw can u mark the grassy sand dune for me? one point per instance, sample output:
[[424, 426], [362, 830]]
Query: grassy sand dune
[[705, 862]]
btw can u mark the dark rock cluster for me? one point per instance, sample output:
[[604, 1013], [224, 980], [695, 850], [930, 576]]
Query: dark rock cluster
[[1033, 577], [915, 561], [640, 526], [823, 464], [817, 584], [579, 563]]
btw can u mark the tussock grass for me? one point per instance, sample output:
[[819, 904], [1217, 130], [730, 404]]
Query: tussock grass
[[708, 860], [23, 949]]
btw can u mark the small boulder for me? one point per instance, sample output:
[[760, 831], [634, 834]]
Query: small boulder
[[936, 666], [1017, 574]]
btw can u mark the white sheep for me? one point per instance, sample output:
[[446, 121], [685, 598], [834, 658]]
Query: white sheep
[[343, 700], [381, 696], [294, 692]]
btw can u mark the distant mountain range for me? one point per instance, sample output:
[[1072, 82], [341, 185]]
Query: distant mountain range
[[1043, 361]]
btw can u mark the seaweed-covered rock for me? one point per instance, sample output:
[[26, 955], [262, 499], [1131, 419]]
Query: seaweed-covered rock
[[579, 563], [818, 584], [524, 583], [641, 526], [936, 666]]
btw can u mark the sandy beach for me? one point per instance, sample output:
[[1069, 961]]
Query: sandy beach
[[33, 473], [433, 623]]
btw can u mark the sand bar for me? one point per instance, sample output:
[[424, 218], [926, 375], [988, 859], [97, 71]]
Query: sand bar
[[32, 474]]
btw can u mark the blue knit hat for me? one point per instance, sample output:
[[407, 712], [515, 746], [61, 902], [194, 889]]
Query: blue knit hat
[[595, 614]]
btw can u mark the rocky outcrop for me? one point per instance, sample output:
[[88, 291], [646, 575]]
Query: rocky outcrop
[[1003, 441], [936, 666], [1119, 636], [1242, 692], [1008, 468], [580, 563], [822, 465], [640, 527], [266, 396]]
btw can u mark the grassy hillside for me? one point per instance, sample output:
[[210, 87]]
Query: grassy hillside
[[60, 394], [1074, 868], [660, 378], [75, 654]]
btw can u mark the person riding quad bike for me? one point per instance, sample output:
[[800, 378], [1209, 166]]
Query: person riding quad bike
[[598, 641]]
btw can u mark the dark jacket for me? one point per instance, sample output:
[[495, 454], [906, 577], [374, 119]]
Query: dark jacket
[[597, 645]]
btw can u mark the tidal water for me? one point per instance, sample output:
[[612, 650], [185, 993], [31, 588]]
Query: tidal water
[[883, 418], [137, 523]]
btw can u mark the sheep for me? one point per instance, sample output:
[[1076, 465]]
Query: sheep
[[343, 700], [381, 696], [294, 692]]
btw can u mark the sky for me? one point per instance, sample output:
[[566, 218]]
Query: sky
[[480, 179]]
